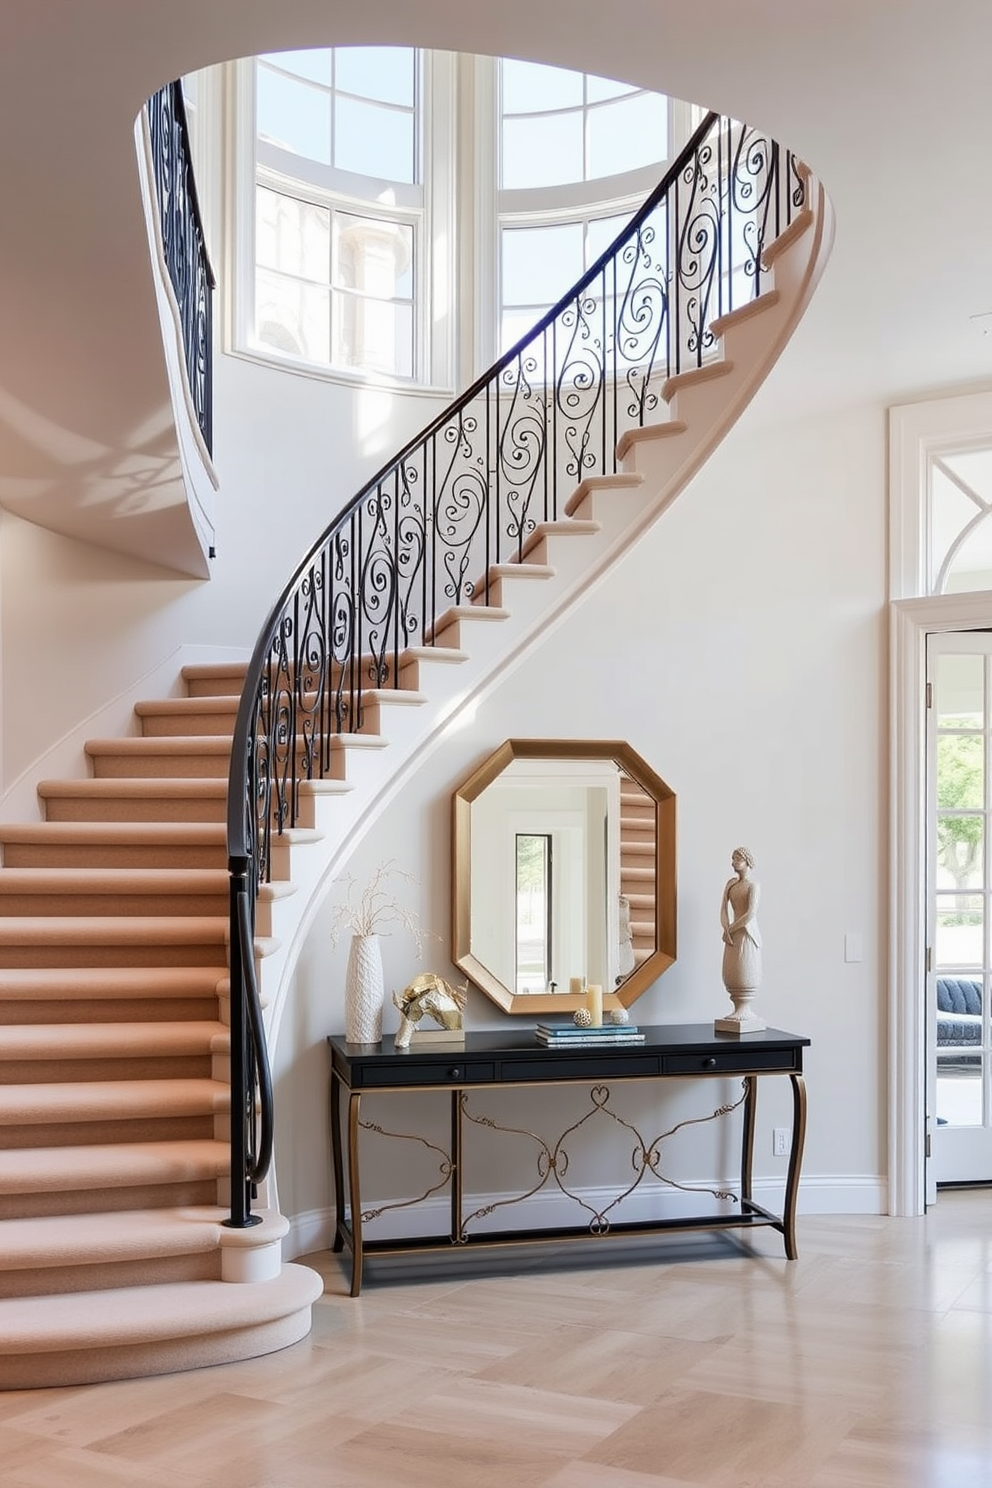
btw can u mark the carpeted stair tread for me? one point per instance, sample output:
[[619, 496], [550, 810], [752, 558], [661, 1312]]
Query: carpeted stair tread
[[32, 983], [111, 1100], [158, 785], [173, 1310], [191, 834], [189, 707], [162, 744], [125, 1234], [56, 892], [152, 755], [117, 930], [114, 844], [111, 1165], [122, 881], [111, 1040]]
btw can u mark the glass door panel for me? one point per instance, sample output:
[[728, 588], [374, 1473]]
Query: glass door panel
[[960, 882], [532, 921]]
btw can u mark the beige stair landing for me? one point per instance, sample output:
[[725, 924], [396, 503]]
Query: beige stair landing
[[153, 1329]]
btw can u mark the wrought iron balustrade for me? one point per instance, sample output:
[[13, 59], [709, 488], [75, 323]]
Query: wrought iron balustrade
[[423, 534], [184, 245]]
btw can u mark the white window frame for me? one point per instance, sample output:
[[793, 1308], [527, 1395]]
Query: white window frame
[[916, 431], [457, 294], [429, 209], [577, 202]]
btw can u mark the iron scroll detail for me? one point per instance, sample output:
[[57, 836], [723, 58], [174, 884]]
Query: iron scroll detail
[[184, 245]]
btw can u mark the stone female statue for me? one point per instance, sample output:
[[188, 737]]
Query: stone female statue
[[741, 944]]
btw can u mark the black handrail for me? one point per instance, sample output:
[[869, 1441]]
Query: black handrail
[[184, 244], [465, 493]]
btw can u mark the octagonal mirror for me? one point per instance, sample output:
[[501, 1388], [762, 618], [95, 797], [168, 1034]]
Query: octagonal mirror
[[563, 874]]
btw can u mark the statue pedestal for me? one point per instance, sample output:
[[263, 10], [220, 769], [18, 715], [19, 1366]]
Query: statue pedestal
[[743, 1019]]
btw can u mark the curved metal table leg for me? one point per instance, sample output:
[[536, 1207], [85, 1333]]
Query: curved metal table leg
[[795, 1164], [355, 1192], [337, 1163]]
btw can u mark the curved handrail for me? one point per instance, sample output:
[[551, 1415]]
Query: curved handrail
[[465, 493]]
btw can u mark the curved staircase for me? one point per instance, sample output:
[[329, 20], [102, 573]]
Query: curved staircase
[[114, 982], [114, 1063]]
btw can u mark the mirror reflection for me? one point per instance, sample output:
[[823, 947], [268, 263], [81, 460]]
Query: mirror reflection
[[564, 874]]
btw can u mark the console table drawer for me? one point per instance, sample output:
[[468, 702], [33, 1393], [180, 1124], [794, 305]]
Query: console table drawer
[[592, 1067], [730, 1062], [452, 1071]]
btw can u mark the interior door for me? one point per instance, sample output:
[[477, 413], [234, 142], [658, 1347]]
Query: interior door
[[959, 873]]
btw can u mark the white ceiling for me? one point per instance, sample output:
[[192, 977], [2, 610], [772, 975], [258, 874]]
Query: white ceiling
[[889, 101]]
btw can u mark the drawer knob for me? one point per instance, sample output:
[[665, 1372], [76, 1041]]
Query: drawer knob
[[454, 1074], [710, 1063]]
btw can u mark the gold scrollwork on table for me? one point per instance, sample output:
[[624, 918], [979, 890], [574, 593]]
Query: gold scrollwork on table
[[445, 1169], [553, 1160]]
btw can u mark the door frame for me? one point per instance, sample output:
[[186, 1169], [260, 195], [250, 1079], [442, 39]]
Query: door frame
[[911, 621]]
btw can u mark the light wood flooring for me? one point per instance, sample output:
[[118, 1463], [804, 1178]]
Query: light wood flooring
[[866, 1362]]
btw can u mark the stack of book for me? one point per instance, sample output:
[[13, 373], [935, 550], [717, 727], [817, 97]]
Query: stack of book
[[568, 1035]]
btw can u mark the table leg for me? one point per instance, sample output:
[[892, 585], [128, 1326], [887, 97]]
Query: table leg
[[795, 1164], [355, 1192], [457, 1097], [337, 1162], [747, 1138]]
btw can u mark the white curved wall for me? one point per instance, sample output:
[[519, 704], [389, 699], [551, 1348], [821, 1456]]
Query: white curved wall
[[83, 627]]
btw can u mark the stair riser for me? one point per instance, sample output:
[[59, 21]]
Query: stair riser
[[215, 681], [90, 1366], [175, 766], [171, 725], [88, 1010], [125, 808], [111, 855], [77, 1133], [22, 957], [47, 1281], [191, 810], [193, 1192], [111, 903], [56, 1070]]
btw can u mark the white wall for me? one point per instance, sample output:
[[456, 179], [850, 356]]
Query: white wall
[[740, 649], [82, 628]]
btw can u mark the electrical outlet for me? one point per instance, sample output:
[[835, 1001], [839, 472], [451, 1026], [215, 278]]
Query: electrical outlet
[[780, 1141]]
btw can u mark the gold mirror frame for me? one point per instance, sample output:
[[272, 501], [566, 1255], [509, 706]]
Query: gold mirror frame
[[663, 955]]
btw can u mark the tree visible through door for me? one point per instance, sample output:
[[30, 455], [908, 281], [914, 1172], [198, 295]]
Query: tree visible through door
[[960, 884]]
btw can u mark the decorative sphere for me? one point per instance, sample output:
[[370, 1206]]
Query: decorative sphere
[[619, 1015], [582, 1018]]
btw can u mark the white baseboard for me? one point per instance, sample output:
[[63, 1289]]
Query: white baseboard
[[848, 1194]]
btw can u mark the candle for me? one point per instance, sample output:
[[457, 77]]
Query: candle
[[576, 985], [594, 1002]]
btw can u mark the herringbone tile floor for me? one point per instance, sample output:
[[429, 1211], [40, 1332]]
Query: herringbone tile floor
[[867, 1363]]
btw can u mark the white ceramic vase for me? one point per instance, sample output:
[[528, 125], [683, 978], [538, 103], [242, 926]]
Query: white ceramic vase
[[364, 991]]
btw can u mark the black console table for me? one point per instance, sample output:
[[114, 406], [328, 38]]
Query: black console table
[[493, 1061]]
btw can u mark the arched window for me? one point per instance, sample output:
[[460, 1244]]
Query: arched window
[[338, 206], [406, 203], [577, 155]]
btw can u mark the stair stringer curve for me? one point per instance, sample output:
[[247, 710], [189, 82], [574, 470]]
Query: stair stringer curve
[[657, 463]]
